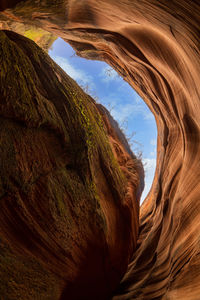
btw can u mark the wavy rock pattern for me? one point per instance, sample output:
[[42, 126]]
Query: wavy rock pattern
[[155, 46]]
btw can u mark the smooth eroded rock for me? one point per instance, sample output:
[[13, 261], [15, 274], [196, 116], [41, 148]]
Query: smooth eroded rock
[[155, 46]]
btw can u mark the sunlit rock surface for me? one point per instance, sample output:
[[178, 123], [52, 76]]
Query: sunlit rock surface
[[69, 184], [155, 46], [42, 38]]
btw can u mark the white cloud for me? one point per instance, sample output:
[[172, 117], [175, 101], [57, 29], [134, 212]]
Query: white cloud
[[149, 164], [153, 142], [108, 74], [149, 168], [78, 75], [121, 111], [124, 112], [137, 98], [131, 109], [153, 153]]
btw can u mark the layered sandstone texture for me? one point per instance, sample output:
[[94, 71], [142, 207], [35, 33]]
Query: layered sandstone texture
[[68, 183], [155, 46]]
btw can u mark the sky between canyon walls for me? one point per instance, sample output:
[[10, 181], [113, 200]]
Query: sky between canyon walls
[[128, 109]]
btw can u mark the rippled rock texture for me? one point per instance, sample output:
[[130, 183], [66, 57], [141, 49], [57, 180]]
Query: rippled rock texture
[[155, 46]]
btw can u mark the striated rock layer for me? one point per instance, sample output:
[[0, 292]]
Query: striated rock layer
[[69, 184], [155, 46]]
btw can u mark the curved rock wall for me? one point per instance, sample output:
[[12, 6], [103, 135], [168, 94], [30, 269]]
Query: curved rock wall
[[155, 46]]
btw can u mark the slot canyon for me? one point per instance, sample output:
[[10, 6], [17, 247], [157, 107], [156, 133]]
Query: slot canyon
[[71, 224]]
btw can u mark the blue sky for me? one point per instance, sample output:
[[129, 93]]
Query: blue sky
[[124, 104]]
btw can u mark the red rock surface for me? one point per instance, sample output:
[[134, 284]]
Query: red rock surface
[[68, 183], [155, 46]]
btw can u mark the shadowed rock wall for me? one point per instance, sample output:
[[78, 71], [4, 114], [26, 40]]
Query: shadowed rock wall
[[155, 46]]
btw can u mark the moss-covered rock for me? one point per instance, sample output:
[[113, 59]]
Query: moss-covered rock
[[67, 182]]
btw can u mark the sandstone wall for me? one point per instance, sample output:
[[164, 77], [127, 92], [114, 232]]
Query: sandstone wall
[[155, 46]]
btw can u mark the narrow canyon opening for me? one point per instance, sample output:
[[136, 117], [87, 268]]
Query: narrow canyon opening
[[108, 88]]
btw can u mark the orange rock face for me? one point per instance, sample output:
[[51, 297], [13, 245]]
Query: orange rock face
[[69, 184], [155, 46]]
